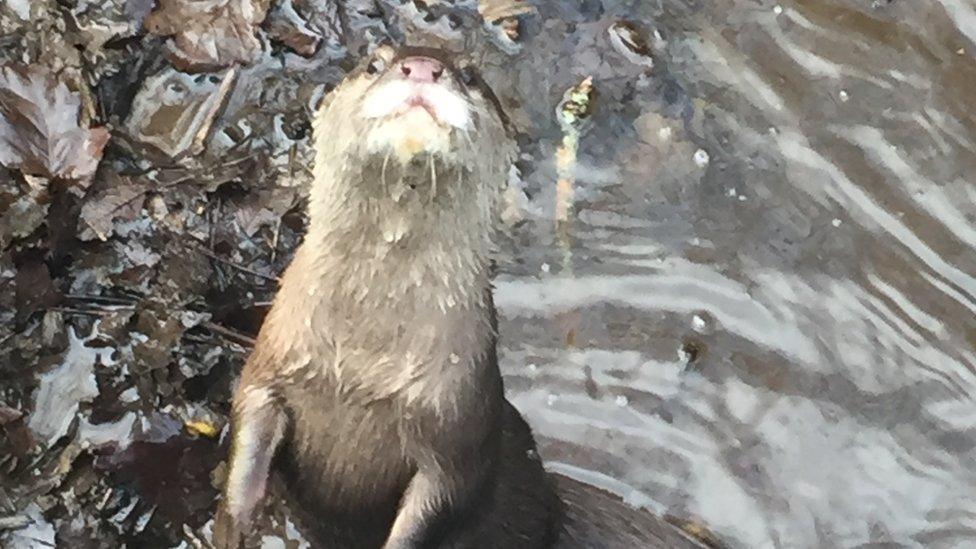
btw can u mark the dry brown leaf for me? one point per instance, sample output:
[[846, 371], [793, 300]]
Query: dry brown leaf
[[208, 34], [287, 26], [21, 209], [265, 208], [123, 200], [495, 10], [21, 218], [39, 131]]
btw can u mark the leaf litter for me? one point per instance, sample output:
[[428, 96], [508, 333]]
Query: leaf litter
[[205, 36], [39, 131]]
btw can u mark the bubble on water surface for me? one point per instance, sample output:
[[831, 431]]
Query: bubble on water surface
[[701, 158]]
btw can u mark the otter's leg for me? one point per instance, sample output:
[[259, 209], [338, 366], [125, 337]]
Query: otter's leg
[[258, 427], [451, 456], [431, 494]]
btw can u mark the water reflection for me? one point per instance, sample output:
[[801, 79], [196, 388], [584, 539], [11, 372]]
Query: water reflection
[[819, 265]]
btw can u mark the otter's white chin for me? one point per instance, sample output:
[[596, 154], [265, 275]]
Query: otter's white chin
[[415, 118], [409, 134]]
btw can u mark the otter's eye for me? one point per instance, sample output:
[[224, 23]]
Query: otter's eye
[[468, 75], [375, 66]]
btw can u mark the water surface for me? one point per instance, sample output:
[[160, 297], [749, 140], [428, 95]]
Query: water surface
[[776, 342]]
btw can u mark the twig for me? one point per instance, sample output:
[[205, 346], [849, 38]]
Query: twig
[[15, 522], [233, 335], [194, 539], [81, 312], [237, 266], [274, 240], [102, 298], [38, 540], [176, 182], [200, 139]]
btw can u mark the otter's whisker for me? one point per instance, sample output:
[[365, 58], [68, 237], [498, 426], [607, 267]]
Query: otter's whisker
[[433, 178], [467, 136], [386, 160]]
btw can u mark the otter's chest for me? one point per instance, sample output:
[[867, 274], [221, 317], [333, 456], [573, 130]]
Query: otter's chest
[[343, 456]]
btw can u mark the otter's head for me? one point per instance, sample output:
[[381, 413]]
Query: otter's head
[[410, 112]]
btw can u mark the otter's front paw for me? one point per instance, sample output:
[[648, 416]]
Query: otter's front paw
[[227, 531], [400, 544]]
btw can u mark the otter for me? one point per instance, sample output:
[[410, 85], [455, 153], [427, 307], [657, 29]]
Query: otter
[[374, 388]]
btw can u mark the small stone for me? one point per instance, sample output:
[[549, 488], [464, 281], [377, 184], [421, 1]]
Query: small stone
[[777, 9], [844, 96], [621, 401], [698, 323], [836, 222], [454, 358], [551, 399], [544, 267]]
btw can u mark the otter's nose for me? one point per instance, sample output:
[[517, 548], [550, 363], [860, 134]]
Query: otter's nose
[[422, 69]]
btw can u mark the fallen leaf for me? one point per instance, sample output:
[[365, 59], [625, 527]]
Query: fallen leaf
[[64, 388], [631, 41], [208, 35], [202, 428], [495, 10], [287, 26], [173, 475], [324, 19], [38, 533], [264, 208], [17, 437], [156, 350], [22, 209], [34, 289], [39, 131], [174, 111], [121, 201]]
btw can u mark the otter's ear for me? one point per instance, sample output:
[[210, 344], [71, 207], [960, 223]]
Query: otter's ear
[[471, 78]]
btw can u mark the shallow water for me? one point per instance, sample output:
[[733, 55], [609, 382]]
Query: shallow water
[[776, 343]]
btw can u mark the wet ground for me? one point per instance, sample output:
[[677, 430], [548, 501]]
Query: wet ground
[[757, 318]]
